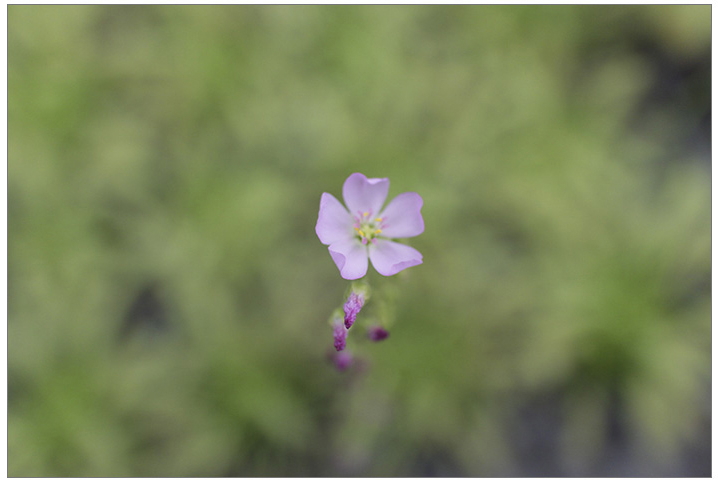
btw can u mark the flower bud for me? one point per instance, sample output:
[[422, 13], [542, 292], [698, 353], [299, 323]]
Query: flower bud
[[343, 360], [352, 307], [378, 333], [340, 335]]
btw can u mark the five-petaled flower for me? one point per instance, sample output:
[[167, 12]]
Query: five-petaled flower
[[363, 232]]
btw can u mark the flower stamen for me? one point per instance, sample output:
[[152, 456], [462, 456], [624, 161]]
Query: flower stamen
[[368, 227]]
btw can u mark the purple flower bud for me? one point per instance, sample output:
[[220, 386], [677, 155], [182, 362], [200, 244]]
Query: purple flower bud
[[352, 307], [378, 333], [343, 360], [340, 335]]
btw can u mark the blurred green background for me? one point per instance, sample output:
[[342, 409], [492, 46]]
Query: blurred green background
[[168, 297]]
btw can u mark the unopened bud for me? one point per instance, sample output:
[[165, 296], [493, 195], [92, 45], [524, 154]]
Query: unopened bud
[[352, 307], [340, 335], [378, 333], [343, 360]]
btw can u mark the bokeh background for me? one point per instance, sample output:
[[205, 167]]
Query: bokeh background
[[168, 297]]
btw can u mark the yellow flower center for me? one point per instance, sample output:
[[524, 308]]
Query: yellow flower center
[[367, 228]]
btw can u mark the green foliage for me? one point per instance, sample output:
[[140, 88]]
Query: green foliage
[[168, 297]]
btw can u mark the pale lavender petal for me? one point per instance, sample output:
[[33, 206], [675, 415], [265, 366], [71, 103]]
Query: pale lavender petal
[[364, 195], [390, 258], [402, 216], [334, 222], [350, 257]]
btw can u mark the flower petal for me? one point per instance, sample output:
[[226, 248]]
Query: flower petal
[[350, 256], [402, 216], [364, 195], [389, 257], [334, 222]]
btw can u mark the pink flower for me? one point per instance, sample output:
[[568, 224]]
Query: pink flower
[[364, 232]]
